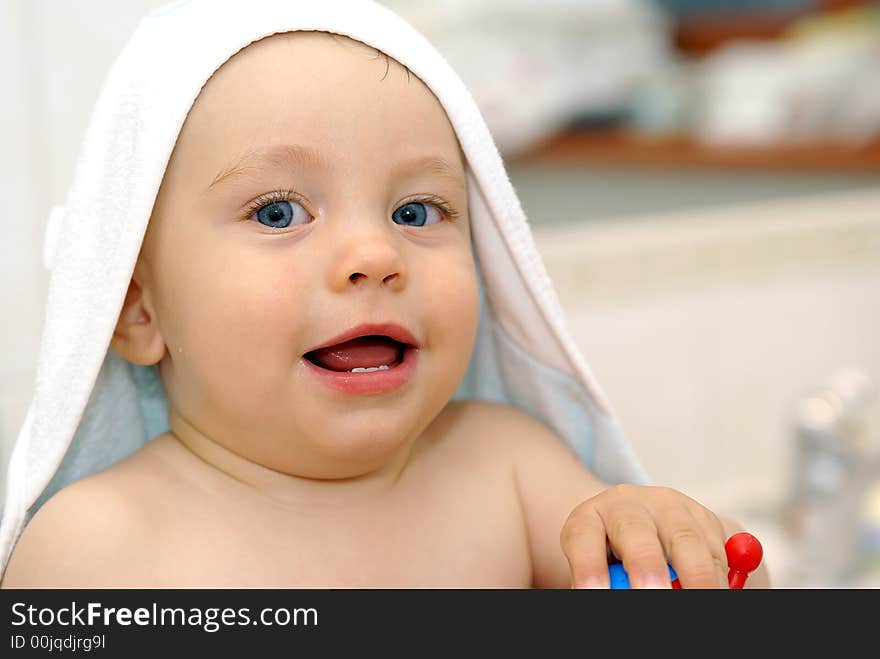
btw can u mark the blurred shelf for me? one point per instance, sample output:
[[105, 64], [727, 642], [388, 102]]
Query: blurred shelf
[[700, 32], [700, 35], [622, 148]]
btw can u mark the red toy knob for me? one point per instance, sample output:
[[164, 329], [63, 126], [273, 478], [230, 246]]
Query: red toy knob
[[744, 554]]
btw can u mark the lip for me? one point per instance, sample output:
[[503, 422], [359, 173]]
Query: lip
[[397, 332], [376, 382]]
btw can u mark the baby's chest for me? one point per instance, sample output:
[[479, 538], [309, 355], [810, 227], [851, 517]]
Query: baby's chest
[[458, 543]]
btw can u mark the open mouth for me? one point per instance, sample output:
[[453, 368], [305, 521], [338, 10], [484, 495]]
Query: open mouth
[[369, 359], [364, 354]]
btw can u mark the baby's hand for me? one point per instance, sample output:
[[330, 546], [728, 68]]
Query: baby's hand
[[645, 527]]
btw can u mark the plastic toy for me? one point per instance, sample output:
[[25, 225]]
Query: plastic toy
[[744, 554]]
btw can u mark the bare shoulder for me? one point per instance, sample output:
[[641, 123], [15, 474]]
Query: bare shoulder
[[550, 480], [86, 535], [508, 430], [498, 423], [541, 461]]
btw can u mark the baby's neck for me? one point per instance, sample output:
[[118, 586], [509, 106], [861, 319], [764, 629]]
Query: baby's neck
[[294, 487]]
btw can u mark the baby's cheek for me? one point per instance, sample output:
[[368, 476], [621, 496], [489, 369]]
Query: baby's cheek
[[454, 310], [225, 318], [462, 284]]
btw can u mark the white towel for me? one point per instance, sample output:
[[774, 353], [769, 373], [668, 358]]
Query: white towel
[[90, 408]]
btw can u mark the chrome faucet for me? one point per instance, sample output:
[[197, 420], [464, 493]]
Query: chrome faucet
[[836, 462]]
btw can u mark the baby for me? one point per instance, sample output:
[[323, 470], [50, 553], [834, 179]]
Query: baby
[[308, 292]]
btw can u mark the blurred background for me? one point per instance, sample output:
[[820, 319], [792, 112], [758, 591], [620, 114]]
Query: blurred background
[[703, 180]]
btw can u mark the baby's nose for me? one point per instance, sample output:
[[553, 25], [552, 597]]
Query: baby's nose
[[368, 260]]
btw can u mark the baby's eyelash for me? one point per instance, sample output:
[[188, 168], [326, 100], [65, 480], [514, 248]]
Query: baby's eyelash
[[448, 211], [288, 194]]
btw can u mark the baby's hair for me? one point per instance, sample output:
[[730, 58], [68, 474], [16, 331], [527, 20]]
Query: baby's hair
[[339, 38]]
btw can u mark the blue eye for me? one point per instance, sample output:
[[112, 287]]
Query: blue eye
[[281, 214], [416, 214]]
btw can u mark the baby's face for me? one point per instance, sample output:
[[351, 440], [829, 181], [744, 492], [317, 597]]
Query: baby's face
[[315, 188]]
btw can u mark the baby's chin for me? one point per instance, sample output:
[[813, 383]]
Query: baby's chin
[[337, 448], [359, 452], [363, 435]]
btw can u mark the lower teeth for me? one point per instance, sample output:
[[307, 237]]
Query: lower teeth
[[371, 369]]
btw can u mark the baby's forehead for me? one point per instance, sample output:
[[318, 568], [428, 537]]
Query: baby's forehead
[[290, 56], [339, 95], [341, 106]]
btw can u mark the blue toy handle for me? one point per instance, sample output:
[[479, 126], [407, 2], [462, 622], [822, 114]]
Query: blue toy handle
[[619, 579]]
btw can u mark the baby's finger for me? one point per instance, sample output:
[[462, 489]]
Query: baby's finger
[[634, 539], [583, 543], [697, 556]]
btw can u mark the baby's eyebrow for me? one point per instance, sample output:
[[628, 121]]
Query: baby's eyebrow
[[279, 155], [296, 155], [433, 164]]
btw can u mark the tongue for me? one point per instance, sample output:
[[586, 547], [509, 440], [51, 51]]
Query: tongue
[[363, 352]]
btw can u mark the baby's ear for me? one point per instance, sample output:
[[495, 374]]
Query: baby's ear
[[137, 337]]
